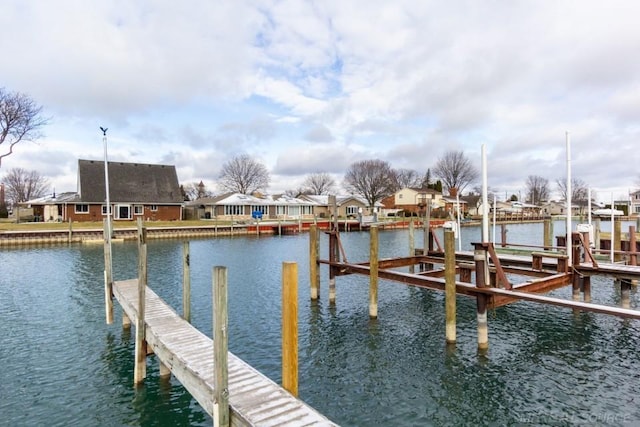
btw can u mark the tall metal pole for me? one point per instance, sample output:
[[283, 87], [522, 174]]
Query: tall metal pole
[[109, 225], [569, 210], [485, 197]]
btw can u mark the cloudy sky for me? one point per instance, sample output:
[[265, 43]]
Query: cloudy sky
[[313, 86]]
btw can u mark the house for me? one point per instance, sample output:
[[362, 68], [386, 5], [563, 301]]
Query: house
[[634, 203], [136, 190], [237, 206], [415, 200], [348, 206]]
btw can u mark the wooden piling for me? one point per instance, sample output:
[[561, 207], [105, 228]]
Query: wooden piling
[[450, 285], [373, 272], [70, 238], [412, 245], [503, 235], [333, 257], [617, 244], [108, 274], [314, 270], [586, 288], [140, 367], [548, 238], [633, 249], [186, 282], [220, 348], [480, 259], [290, 327]]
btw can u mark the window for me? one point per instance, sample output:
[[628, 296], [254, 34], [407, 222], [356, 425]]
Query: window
[[154, 208], [260, 208], [104, 210], [123, 212], [138, 210], [82, 209], [352, 210], [400, 196], [307, 210], [281, 210], [233, 209]]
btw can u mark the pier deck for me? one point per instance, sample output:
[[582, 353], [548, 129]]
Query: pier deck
[[254, 399]]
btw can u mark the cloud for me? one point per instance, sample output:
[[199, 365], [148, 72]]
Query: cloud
[[303, 85]]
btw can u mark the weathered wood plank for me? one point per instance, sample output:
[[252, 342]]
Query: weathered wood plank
[[254, 398]]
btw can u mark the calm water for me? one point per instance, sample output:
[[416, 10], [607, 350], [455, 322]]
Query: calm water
[[61, 365]]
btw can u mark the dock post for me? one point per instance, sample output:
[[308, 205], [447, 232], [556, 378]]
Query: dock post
[[140, 367], [596, 234], [186, 282], [290, 327], [480, 258], [548, 243], [373, 272], [314, 270], [333, 243], [633, 248], [220, 348], [617, 245], [412, 245], [586, 288], [108, 274], [70, 230], [450, 286]]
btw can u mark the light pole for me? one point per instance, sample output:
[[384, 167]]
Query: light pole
[[108, 269]]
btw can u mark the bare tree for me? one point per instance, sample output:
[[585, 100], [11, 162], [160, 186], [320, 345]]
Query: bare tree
[[371, 179], [456, 171], [22, 185], [537, 189], [194, 191], [243, 174], [319, 183], [406, 178], [579, 189], [20, 120]]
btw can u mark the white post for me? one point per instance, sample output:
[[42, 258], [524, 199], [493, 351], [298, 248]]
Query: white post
[[589, 207], [612, 230], [459, 228], [494, 218], [485, 213], [568, 241]]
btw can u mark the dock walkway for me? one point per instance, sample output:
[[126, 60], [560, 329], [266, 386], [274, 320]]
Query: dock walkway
[[254, 399]]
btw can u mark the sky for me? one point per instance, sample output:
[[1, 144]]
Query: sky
[[314, 86]]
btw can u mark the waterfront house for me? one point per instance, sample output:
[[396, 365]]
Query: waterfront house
[[136, 190], [413, 200], [242, 207], [634, 203], [348, 206]]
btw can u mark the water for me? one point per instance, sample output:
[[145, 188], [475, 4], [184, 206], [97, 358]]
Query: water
[[61, 365]]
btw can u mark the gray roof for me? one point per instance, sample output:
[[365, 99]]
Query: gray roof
[[128, 182]]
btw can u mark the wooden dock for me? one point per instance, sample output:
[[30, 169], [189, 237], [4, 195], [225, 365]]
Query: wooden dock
[[254, 399]]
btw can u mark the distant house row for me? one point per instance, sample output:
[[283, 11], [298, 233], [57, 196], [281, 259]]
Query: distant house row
[[152, 192]]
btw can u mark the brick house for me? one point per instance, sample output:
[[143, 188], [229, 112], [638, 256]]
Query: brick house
[[136, 190]]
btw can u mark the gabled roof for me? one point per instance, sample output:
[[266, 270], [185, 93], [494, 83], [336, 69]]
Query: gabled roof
[[248, 199], [128, 182], [323, 200]]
